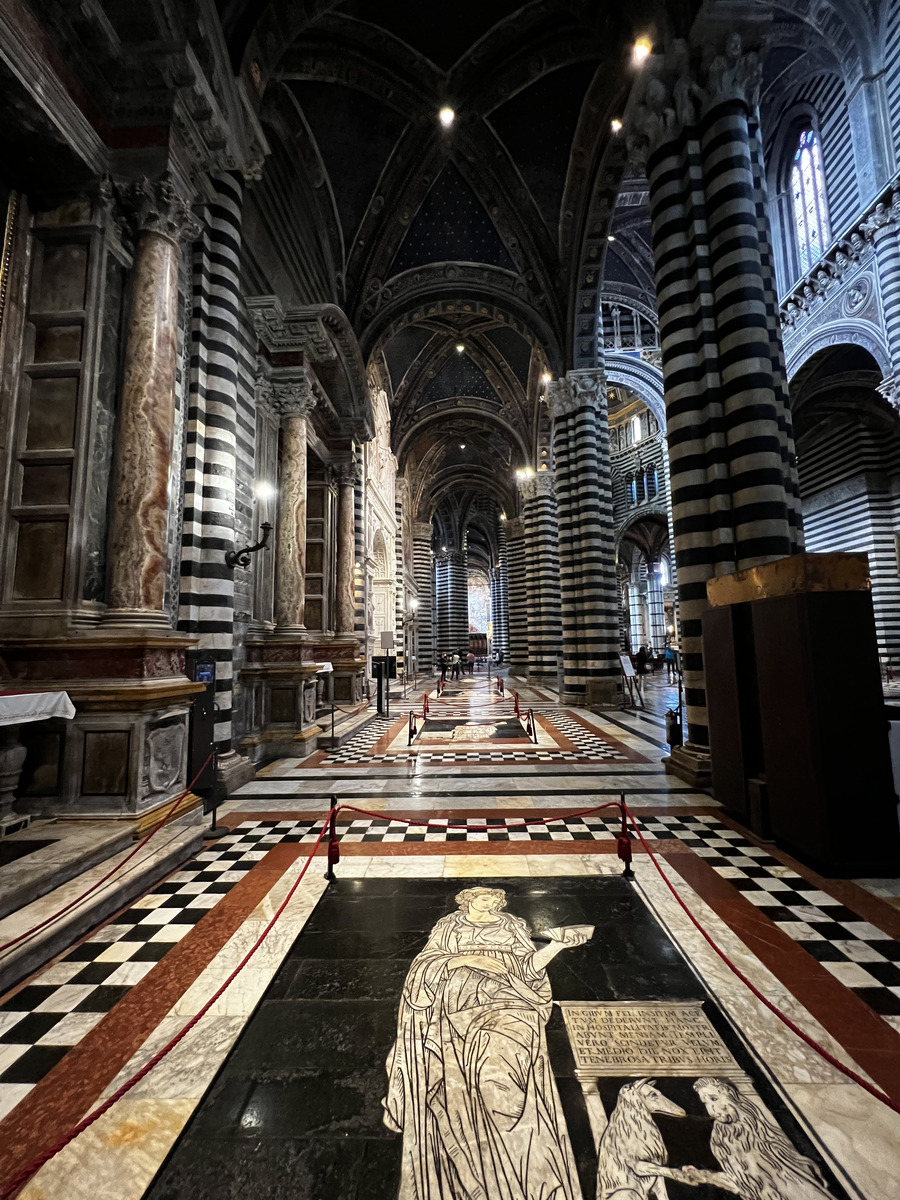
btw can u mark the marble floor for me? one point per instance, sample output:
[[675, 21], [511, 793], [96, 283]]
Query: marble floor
[[554, 1030]]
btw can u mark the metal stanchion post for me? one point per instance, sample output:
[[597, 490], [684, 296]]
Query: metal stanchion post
[[623, 842], [334, 849]]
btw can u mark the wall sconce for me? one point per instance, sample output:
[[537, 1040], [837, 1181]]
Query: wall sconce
[[264, 493], [241, 558]]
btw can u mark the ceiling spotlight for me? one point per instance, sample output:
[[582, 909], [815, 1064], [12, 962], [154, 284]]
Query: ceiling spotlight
[[446, 116], [641, 51], [264, 490], [460, 347], [546, 377], [615, 124], [443, 547], [462, 445], [503, 516], [610, 237]]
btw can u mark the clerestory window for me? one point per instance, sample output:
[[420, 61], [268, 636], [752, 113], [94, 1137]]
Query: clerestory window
[[808, 199]]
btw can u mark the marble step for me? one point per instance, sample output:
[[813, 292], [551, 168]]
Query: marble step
[[75, 846], [168, 850]]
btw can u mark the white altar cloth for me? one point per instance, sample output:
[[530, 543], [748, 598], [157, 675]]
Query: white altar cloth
[[18, 707]]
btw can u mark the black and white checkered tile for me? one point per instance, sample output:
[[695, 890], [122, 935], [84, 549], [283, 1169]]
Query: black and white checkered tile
[[386, 829], [591, 747], [857, 953], [41, 1022]]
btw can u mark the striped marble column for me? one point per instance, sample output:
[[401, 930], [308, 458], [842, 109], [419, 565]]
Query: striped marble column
[[518, 598], [400, 614], [458, 601], [732, 465], [501, 589], [657, 612], [542, 576], [883, 226], [587, 559], [206, 605], [424, 575]]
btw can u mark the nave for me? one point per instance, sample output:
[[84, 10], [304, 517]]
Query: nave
[[279, 1089]]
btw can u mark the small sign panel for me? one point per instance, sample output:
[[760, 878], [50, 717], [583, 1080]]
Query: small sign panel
[[205, 673], [627, 667]]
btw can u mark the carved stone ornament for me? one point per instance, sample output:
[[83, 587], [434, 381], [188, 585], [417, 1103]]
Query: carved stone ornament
[[561, 397], [515, 528], [294, 397], [421, 531], [290, 329], [890, 389], [589, 387], [348, 474], [157, 207], [735, 74]]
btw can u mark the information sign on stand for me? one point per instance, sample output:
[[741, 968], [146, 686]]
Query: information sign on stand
[[633, 681]]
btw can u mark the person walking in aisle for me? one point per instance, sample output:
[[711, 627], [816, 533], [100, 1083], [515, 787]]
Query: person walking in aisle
[[454, 664]]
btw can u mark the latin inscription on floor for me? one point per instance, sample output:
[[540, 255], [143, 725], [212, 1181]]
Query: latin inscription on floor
[[651, 1038]]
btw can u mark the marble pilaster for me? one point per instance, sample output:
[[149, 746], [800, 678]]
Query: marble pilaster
[[294, 400], [346, 549], [144, 433]]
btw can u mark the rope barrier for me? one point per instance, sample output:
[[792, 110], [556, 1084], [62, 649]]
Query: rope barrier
[[786, 1020], [31, 1169], [30, 933], [352, 712], [329, 826]]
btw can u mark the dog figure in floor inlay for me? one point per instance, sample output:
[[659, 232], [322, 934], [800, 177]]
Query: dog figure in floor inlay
[[631, 1148], [469, 1080]]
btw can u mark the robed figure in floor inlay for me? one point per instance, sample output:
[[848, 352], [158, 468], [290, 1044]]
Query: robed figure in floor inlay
[[469, 1081]]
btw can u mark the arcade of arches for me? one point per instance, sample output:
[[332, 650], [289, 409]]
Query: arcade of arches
[[343, 339]]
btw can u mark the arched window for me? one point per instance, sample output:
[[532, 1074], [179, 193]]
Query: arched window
[[632, 490], [635, 429], [808, 199]]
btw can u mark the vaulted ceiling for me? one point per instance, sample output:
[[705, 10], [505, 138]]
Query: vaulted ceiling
[[462, 236]]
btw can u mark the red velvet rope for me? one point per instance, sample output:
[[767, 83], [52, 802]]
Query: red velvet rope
[[811, 1042], [29, 933], [31, 1169]]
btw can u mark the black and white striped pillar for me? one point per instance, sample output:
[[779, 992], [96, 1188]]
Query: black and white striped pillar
[[587, 558], [518, 597], [500, 596], [424, 576], [884, 229], [542, 576], [451, 590], [735, 499], [206, 604]]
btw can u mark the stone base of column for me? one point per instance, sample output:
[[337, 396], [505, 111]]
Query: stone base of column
[[690, 763], [234, 770], [135, 619], [598, 693], [125, 752], [274, 744]]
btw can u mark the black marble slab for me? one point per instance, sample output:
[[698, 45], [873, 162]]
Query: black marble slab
[[296, 1113]]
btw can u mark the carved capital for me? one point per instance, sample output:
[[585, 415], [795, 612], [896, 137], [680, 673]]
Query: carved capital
[[734, 74], [890, 389], [348, 474], [157, 207], [561, 397], [294, 393], [515, 528], [421, 531]]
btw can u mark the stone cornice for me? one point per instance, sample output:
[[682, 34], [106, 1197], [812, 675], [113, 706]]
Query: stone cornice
[[290, 329]]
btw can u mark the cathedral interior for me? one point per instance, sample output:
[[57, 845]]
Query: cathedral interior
[[449, 500]]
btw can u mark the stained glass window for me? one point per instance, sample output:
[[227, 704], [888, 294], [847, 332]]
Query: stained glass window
[[808, 198]]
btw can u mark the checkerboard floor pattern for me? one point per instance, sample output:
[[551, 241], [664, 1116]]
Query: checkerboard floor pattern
[[860, 955], [591, 747], [46, 1018]]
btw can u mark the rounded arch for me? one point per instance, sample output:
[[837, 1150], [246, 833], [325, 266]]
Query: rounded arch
[[457, 288], [854, 333], [640, 377], [475, 414]]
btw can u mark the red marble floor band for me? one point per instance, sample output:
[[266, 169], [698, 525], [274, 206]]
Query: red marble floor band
[[866, 1036], [65, 1094]]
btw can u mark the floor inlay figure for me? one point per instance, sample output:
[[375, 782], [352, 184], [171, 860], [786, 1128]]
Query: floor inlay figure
[[632, 1153], [469, 1079]]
